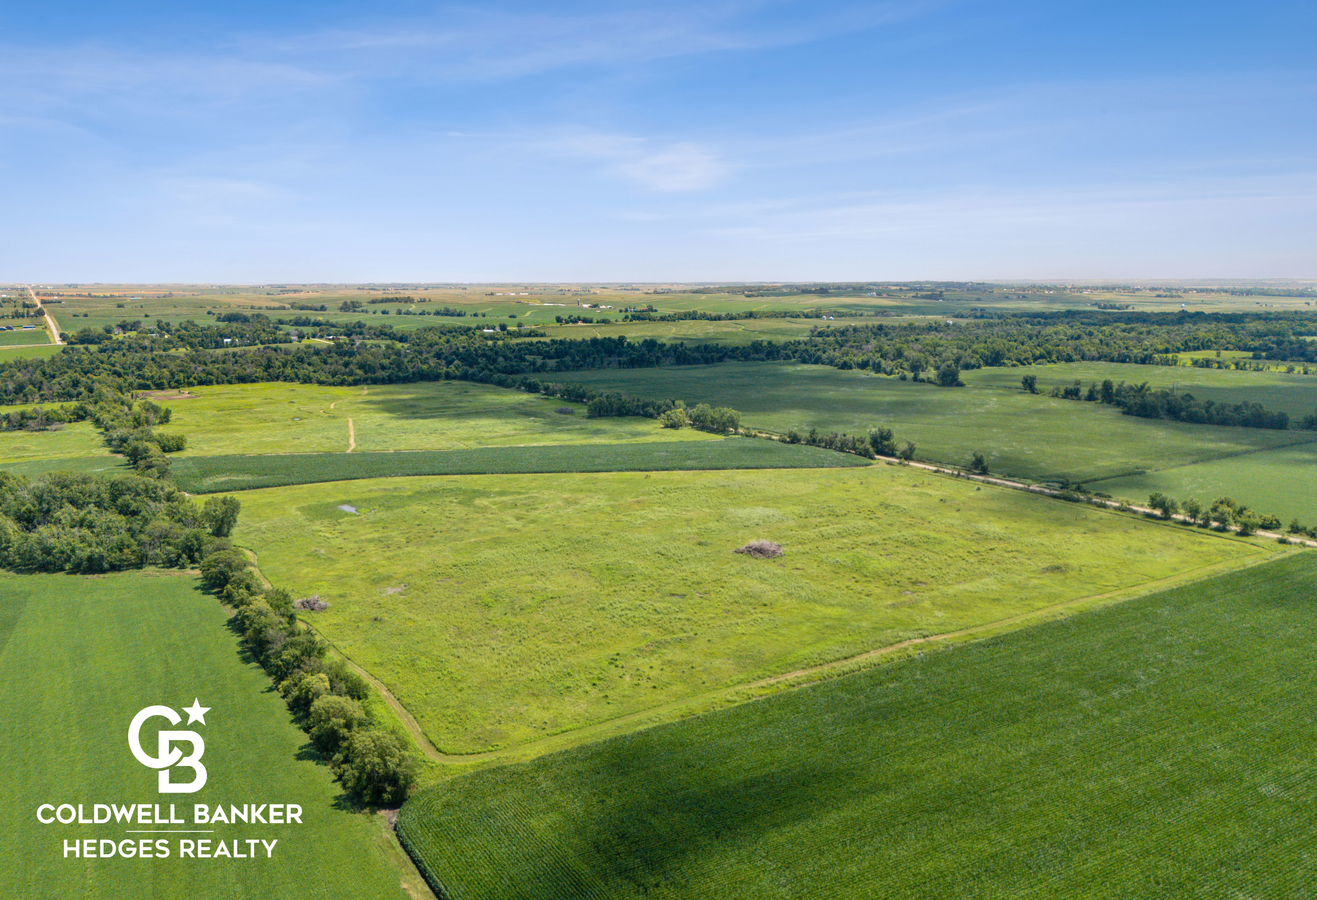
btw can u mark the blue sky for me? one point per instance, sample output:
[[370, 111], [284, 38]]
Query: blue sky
[[761, 141]]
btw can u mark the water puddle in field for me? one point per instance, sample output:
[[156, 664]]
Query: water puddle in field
[[348, 508]]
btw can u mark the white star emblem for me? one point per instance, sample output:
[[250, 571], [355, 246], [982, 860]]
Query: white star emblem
[[196, 712]]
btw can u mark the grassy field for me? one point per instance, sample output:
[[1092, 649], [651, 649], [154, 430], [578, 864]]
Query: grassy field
[[1294, 394], [1158, 748], [542, 604], [440, 415], [1034, 437], [80, 439], [1275, 482], [29, 351], [233, 473], [80, 656]]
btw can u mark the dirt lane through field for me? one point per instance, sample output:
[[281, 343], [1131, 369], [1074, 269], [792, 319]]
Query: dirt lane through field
[[352, 435], [50, 320]]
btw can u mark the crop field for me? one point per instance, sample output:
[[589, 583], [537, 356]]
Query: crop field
[[78, 658], [1295, 394], [209, 474], [1157, 748], [440, 415], [1034, 437], [543, 604], [24, 337]]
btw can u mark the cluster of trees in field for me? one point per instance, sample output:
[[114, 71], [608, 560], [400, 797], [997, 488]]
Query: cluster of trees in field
[[1222, 514], [880, 441], [65, 522], [327, 698], [1147, 403], [714, 419], [129, 429]]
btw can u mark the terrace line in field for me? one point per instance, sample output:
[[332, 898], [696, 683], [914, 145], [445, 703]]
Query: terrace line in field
[[548, 603]]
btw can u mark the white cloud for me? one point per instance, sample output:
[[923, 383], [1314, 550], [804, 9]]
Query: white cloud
[[674, 167]]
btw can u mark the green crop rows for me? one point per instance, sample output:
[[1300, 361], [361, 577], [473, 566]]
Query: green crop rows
[[229, 473], [79, 657]]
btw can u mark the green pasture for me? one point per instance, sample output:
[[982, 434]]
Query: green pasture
[[1157, 748], [78, 658], [1294, 394], [208, 474], [502, 609], [437, 415], [1022, 435], [29, 351], [77, 439], [1276, 482]]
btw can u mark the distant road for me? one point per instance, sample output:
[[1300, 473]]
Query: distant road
[[50, 320]]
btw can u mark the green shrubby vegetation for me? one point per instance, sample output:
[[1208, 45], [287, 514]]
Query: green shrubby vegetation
[[65, 522], [1146, 403], [373, 764]]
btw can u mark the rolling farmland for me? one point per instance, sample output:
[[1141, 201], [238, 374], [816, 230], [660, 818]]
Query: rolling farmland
[[544, 604], [1033, 437], [1154, 748]]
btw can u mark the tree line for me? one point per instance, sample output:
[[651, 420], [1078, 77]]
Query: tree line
[[326, 697], [1146, 403]]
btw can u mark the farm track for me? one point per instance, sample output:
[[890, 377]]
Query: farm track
[[50, 320], [352, 436]]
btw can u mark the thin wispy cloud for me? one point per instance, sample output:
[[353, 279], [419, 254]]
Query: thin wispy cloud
[[721, 136]]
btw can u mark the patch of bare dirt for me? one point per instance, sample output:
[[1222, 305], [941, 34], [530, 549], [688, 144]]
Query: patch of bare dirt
[[761, 549], [311, 604]]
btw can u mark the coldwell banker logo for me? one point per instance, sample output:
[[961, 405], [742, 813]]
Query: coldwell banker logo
[[167, 755], [153, 830]]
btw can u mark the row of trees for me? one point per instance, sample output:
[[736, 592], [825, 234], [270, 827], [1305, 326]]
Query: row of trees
[[452, 351], [1223, 513], [327, 698], [1148, 403]]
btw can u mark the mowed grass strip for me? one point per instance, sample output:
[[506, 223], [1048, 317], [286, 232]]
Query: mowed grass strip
[[501, 609], [233, 473], [78, 658], [1035, 437], [1158, 748]]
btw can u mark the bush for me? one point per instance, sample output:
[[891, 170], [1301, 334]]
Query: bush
[[375, 767], [332, 721]]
